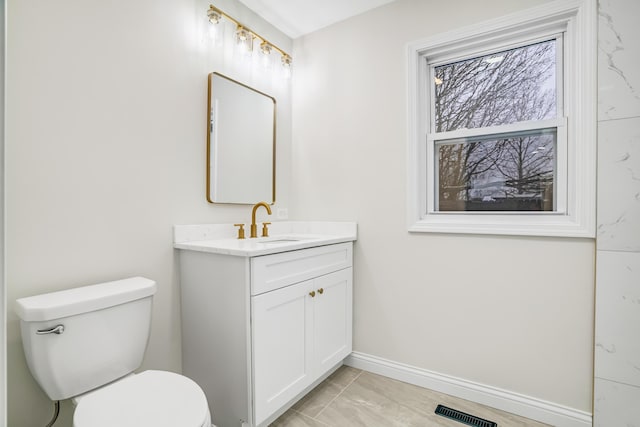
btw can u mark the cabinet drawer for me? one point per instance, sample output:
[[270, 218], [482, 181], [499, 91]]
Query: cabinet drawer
[[275, 271]]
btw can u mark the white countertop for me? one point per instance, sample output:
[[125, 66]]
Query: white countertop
[[283, 236]]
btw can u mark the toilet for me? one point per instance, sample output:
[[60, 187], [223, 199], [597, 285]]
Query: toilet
[[84, 344]]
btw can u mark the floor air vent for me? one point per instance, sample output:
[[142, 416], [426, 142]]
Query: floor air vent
[[464, 418]]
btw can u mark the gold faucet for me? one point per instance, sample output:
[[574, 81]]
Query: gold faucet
[[254, 227]]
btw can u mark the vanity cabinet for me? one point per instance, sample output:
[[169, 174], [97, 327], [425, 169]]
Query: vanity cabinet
[[299, 333], [259, 332]]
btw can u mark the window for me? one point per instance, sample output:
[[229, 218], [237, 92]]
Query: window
[[510, 100], [502, 126]]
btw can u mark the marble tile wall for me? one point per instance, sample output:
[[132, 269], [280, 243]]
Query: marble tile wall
[[617, 348], [617, 354], [618, 70], [616, 404], [619, 184]]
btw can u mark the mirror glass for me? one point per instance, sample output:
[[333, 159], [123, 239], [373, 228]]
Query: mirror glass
[[240, 143]]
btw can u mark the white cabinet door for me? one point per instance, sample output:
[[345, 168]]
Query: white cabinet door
[[332, 308], [282, 322], [299, 332]]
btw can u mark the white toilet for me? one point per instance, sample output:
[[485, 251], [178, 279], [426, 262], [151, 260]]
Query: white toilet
[[84, 343]]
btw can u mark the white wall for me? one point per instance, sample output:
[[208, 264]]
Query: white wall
[[105, 150], [509, 312]]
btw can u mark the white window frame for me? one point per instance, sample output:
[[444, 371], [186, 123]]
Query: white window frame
[[576, 121]]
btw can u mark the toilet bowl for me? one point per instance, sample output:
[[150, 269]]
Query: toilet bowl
[[84, 343], [151, 398]]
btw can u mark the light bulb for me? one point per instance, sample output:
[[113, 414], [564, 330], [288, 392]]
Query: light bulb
[[265, 48], [214, 16], [286, 64], [245, 40], [214, 28]]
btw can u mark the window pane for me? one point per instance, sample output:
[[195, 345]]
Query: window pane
[[502, 88], [509, 172]]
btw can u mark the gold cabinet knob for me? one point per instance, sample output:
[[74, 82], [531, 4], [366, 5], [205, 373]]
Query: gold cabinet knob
[[320, 291], [312, 293], [240, 230]]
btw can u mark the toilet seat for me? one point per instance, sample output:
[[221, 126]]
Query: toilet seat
[[151, 398]]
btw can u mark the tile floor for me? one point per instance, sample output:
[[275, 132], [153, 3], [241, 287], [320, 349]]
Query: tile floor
[[351, 397]]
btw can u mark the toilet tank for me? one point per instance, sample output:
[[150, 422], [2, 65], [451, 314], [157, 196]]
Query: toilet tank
[[82, 338]]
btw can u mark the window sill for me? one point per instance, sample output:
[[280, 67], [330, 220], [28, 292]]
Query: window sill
[[550, 225]]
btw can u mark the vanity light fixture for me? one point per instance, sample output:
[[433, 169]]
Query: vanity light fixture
[[245, 37], [214, 30], [214, 16], [286, 64], [266, 49]]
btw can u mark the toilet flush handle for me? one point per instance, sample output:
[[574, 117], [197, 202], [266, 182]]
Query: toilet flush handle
[[58, 329]]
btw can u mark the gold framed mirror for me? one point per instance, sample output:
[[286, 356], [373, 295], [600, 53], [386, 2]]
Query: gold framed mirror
[[241, 142]]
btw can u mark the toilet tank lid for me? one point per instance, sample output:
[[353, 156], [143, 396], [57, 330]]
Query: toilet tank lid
[[70, 302]]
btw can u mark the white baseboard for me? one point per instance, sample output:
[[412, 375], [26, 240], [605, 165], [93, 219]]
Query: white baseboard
[[525, 406]]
